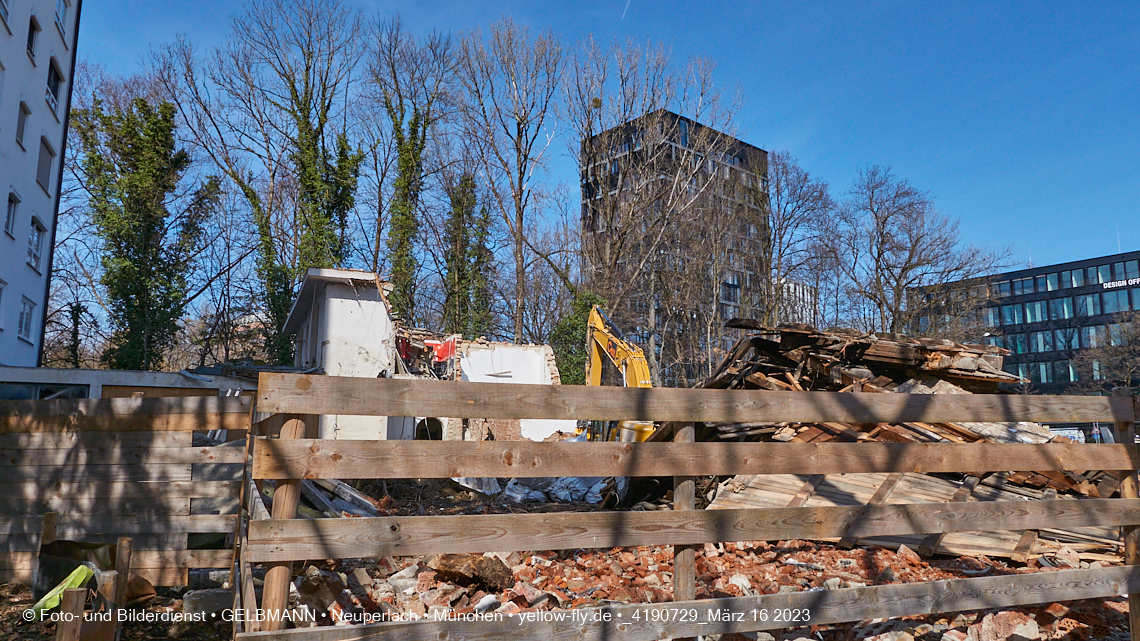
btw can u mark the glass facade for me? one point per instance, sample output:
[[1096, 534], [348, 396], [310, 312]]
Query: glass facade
[[1045, 315]]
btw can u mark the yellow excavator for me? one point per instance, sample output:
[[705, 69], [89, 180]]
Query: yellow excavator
[[603, 337]]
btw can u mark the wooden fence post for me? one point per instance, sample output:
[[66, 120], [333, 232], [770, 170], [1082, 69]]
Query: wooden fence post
[[275, 597], [684, 556], [1130, 534], [72, 607]]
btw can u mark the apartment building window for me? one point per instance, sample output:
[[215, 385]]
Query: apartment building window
[[22, 123], [61, 17], [54, 80], [36, 243], [33, 36], [27, 310], [43, 169], [10, 214]]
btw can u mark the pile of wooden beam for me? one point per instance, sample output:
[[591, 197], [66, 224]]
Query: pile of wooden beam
[[799, 357]]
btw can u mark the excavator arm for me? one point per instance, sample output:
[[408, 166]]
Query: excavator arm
[[604, 338]]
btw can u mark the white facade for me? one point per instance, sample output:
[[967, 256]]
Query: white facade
[[37, 61], [344, 328]]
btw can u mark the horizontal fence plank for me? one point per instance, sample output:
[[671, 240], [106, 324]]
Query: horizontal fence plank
[[825, 606], [129, 423], [111, 455], [73, 527], [48, 475], [52, 440], [306, 394], [314, 458], [10, 525], [181, 559], [302, 540], [124, 407], [109, 489], [96, 506]]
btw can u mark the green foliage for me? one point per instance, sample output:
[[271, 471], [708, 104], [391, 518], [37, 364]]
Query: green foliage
[[134, 172], [568, 338], [410, 139], [467, 262]]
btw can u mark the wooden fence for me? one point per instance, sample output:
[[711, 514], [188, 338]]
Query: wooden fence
[[283, 539], [120, 467]]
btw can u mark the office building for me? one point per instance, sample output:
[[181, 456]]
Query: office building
[[1046, 315], [37, 64]]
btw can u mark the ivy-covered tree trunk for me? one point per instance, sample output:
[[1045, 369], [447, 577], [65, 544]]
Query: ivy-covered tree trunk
[[410, 139], [467, 262], [134, 170]]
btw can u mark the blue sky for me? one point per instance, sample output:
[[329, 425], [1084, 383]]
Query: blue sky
[[1021, 119]]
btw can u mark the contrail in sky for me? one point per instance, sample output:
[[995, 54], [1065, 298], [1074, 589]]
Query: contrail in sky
[[626, 9]]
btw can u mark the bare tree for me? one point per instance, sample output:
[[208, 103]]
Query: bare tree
[[510, 80], [798, 207], [899, 260], [1114, 361], [269, 109], [658, 158]]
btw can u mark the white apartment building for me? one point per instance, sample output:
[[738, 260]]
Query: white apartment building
[[37, 60]]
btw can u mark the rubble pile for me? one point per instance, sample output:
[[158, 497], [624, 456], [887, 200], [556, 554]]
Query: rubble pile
[[462, 584]]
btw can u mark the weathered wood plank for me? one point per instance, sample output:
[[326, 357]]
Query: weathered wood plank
[[1125, 432], [97, 455], [181, 558], [628, 622], [72, 527], [99, 489], [878, 498], [12, 525], [101, 439], [399, 397], [125, 407], [304, 539], [684, 556], [129, 423], [313, 458], [49, 475], [96, 506]]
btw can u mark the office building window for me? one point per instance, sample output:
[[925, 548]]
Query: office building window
[[1040, 342], [1093, 336], [1098, 275], [1016, 343], [1136, 298], [1088, 305], [1052, 283], [1078, 278], [1011, 315], [36, 243], [991, 317], [1064, 372], [1040, 372], [4, 10], [43, 169], [1041, 287], [1036, 312], [1065, 339], [33, 36], [1022, 286], [1003, 289], [27, 310], [1118, 270], [10, 215], [1061, 308], [1115, 334], [22, 122], [1115, 301], [1132, 269]]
